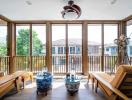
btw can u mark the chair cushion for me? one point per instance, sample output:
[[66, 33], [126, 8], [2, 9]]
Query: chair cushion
[[119, 76], [108, 78], [28, 76], [105, 76]]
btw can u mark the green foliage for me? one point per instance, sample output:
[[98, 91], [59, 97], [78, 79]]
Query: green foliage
[[3, 49], [23, 43], [37, 45]]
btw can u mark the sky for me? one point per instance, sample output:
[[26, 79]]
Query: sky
[[129, 31], [58, 32], [3, 31], [94, 33]]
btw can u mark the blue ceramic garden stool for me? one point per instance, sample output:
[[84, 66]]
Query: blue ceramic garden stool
[[44, 82], [72, 83]]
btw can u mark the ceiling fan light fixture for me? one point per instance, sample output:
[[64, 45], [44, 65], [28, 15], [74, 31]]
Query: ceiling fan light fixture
[[71, 11]]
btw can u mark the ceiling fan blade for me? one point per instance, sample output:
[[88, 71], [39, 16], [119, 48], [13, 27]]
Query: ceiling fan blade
[[113, 2]]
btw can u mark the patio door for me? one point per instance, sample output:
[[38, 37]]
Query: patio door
[[30, 47], [94, 47], [66, 48], [102, 51], [75, 48], [59, 48]]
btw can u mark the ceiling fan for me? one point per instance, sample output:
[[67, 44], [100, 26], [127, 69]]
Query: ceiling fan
[[113, 2], [71, 11]]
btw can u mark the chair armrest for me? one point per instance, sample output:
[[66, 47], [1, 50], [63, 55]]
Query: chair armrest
[[107, 84]]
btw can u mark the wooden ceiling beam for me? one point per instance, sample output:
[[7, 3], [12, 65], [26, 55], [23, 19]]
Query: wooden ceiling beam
[[127, 18], [5, 18], [66, 21]]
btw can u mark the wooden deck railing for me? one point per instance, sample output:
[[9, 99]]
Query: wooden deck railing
[[74, 64], [94, 63], [38, 63], [24, 63], [59, 63], [4, 64], [110, 64]]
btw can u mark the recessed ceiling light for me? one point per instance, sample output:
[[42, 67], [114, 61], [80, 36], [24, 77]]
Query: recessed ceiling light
[[28, 2]]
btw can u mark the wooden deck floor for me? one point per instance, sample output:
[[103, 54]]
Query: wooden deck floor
[[58, 92]]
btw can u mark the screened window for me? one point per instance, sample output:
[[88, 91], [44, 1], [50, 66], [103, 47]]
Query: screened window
[[110, 34], [60, 50], [130, 50], [53, 50], [107, 49], [38, 39], [129, 34], [72, 50], [22, 40], [94, 39], [3, 38], [78, 50]]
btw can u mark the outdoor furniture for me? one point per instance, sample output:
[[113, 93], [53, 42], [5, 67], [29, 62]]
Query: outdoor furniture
[[27, 76], [72, 83], [14, 80], [119, 86], [9, 82], [44, 82], [103, 74]]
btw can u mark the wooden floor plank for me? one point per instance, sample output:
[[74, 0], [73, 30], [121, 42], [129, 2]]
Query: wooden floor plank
[[58, 92]]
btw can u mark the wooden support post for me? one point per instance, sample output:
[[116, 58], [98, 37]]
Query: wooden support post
[[48, 47], [84, 49], [11, 46], [121, 30], [123, 27], [102, 52], [67, 48], [30, 51]]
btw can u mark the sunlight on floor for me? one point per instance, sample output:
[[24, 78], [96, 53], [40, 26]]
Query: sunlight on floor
[[56, 84], [31, 85]]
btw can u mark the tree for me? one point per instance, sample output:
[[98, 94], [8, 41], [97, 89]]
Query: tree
[[3, 49], [23, 43]]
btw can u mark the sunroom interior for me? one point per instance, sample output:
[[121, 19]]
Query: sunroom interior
[[35, 38]]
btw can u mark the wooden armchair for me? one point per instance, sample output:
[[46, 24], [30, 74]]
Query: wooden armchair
[[117, 87]]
